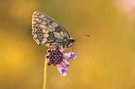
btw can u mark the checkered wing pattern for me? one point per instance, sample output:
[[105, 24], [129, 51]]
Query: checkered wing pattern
[[47, 31]]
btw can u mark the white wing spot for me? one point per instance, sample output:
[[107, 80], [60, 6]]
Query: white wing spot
[[62, 33], [54, 24], [57, 35], [44, 19], [49, 29], [37, 41], [44, 23], [42, 26], [44, 31], [44, 41], [66, 35], [37, 19], [42, 16], [33, 22], [33, 19], [35, 36], [46, 35]]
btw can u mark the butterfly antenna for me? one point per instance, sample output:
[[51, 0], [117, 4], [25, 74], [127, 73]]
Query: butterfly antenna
[[83, 36]]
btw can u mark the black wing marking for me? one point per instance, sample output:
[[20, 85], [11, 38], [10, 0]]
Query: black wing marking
[[46, 31]]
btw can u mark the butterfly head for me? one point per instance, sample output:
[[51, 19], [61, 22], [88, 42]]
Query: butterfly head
[[70, 43]]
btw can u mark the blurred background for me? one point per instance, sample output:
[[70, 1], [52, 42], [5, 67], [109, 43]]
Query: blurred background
[[106, 60]]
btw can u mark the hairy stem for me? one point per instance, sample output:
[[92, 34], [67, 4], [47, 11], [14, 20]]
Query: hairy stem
[[45, 74]]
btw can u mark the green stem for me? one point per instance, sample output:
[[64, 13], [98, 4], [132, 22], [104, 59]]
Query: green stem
[[45, 74]]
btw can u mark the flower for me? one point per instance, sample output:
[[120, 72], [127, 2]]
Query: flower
[[59, 58]]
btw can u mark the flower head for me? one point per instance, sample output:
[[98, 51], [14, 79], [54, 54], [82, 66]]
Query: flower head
[[59, 58]]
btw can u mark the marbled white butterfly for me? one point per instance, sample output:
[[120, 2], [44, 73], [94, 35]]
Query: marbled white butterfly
[[47, 31]]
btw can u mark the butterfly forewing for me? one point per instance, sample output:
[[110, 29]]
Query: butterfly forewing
[[47, 31]]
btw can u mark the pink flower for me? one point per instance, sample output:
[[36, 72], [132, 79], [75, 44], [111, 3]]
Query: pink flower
[[60, 59]]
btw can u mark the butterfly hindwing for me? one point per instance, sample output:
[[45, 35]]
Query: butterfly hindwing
[[46, 31]]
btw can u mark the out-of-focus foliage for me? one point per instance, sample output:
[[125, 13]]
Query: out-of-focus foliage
[[106, 60]]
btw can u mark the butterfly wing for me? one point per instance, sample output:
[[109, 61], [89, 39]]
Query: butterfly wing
[[47, 31]]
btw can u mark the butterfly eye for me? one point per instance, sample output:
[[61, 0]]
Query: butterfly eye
[[72, 40]]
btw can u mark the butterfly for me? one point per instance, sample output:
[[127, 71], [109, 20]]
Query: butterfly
[[46, 31]]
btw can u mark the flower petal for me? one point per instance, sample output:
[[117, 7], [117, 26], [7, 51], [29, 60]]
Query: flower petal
[[69, 56], [64, 63], [47, 56], [73, 55], [49, 63], [62, 70], [58, 57], [57, 47], [49, 50]]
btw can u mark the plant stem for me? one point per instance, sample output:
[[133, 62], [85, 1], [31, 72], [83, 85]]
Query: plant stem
[[45, 74]]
